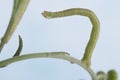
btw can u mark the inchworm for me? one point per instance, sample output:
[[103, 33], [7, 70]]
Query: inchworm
[[17, 13], [95, 30]]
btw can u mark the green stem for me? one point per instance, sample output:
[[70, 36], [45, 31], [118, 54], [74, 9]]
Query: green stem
[[17, 13], [59, 55]]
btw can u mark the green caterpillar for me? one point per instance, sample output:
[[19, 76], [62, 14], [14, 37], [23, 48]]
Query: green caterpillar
[[95, 30]]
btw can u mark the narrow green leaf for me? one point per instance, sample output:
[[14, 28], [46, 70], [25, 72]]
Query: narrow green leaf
[[20, 47]]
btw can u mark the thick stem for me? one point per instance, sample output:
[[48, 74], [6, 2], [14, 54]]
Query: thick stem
[[17, 13]]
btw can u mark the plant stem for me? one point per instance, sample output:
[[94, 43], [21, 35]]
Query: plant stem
[[58, 55], [17, 13]]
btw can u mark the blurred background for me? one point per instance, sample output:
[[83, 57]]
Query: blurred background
[[69, 34]]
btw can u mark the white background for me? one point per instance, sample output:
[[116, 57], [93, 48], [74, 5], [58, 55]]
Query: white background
[[69, 34]]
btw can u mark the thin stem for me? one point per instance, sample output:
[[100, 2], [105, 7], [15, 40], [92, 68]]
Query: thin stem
[[58, 55]]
